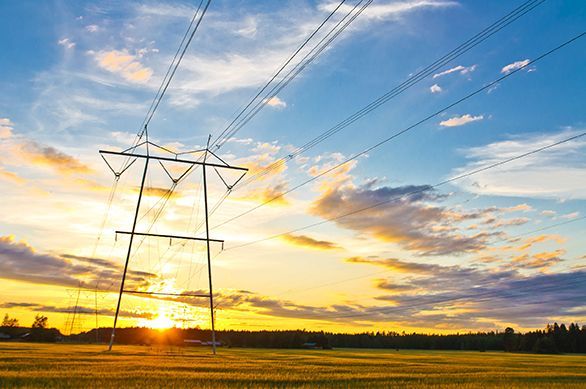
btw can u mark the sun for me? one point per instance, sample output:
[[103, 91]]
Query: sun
[[161, 321]]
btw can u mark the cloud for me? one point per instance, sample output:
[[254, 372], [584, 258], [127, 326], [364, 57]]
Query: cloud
[[276, 102], [541, 261], [563, 167], [435, 88], [460, 120], [461, 69], [519, 208], [272, 193], [452, 294], [41, 155], [514, 66], [92, 28], [79, 310], [19, 261], [391, 10], [6, 128], [306, 241], [124, 64], [405, 218], [393, 287], [571, 215], [67, 43], [11, 176], [249, 27]]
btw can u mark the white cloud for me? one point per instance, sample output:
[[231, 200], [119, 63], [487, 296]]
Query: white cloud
[[6, 127], [556, 173], [435, 88], [460, 120], [514, 66], [276, 102], [249, 28], [571, 215], [67, 43], [92, 28], [459, 68], [389, 10]]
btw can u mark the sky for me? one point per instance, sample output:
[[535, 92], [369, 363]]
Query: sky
[[371, 244]]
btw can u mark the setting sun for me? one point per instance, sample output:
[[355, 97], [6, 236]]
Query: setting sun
[[161, 321]]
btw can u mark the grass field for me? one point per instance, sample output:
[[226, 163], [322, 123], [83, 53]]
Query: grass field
[[58, 365]]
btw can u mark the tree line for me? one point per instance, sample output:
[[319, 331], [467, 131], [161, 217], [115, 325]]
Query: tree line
[[553, 339]]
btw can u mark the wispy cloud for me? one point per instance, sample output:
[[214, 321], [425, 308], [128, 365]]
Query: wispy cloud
[[67, 43], [125, 64], [392, 10], [6, 128], [460, 69], [309, 242], [457, 121], [561, 167], [49, 156], [514, 66]]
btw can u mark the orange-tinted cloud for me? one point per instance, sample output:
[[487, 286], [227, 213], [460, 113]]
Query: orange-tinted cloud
[[33, 153], [306, 241], [125, 64], [399, 215], [10, 176], [274, 194]]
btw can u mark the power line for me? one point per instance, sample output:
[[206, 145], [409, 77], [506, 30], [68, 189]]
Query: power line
[[315, 52], [417, 191], [173, 66], [461, 49], [150, 115], [281, 68], [411, 81], [509, 239], [405, 130]]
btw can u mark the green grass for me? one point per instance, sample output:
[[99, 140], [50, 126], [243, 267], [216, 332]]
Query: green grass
[[59, 365]]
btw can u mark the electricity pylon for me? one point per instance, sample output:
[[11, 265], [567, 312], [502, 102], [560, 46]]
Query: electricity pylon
[[133, 156]]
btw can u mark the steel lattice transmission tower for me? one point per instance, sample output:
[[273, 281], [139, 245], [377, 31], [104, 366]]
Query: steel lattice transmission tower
[[203, 160]]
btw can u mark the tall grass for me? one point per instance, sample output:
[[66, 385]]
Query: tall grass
[[55, 366]]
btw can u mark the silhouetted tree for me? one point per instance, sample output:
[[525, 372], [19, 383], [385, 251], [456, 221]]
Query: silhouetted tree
[[40, 321], [9, 321], [510, 340]]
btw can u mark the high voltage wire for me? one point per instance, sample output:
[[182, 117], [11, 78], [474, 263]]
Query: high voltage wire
[[304, 62], [173, 66], [411, 81], [166, 84], [464, 47], [405, 130], [418, 191], [430, 69], [170, 72], [281, 68], [509, 239]]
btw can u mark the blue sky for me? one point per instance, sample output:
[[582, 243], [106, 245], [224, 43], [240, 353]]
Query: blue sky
[[79, 76]]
